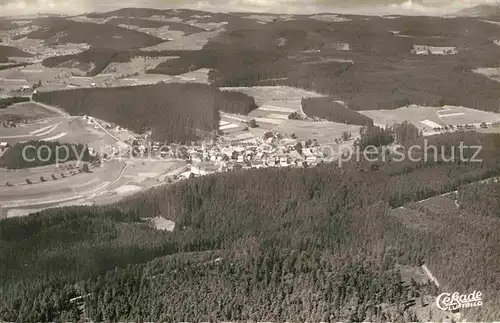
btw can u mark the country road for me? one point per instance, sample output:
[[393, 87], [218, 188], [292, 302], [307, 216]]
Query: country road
[[430, 275], [106, 131]]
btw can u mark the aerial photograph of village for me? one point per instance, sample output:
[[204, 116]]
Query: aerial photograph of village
[[200, 161]]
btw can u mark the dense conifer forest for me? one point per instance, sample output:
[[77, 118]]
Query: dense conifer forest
[[36, 153], [173, 112], [316, 244], [5, 102], [481, 199], [329, 109]]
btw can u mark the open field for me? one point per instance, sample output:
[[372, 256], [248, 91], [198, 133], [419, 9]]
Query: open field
[[427, 118], [413, 114], [137, 65], [12, 79], [276, 96], [110, 182], [330, 18], [25, 111], [188, 42], [159, 28], [323, 131], [224, 125], [452, 115], [37, 50], [490, 72], [271, 114], [132, 73], [64, 129], [275, 102], [240, 136]]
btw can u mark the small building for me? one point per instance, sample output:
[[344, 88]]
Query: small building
[[186, 175], [257, 164], [311, 160], [433, 50], [92, 152]]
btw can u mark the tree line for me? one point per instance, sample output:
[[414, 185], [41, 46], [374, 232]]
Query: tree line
[[5, 102], [35, 153], [329, 109]]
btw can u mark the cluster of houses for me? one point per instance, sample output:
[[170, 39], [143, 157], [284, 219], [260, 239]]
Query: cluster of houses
[[216, 156], [26, 89], [432, 50], [210, 158]]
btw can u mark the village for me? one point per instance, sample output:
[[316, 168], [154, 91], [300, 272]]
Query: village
[[272, 150]]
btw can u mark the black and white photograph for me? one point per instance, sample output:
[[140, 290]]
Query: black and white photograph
[[271, 161]]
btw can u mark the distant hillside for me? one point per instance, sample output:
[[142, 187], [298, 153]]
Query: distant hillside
[[145, 23], [366, 62], [486, 10], [127, 12], [183, 14], [173, 112], [99, 57], [139, 22], [59, 31]]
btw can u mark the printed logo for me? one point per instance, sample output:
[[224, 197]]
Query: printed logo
[[455, 301]]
